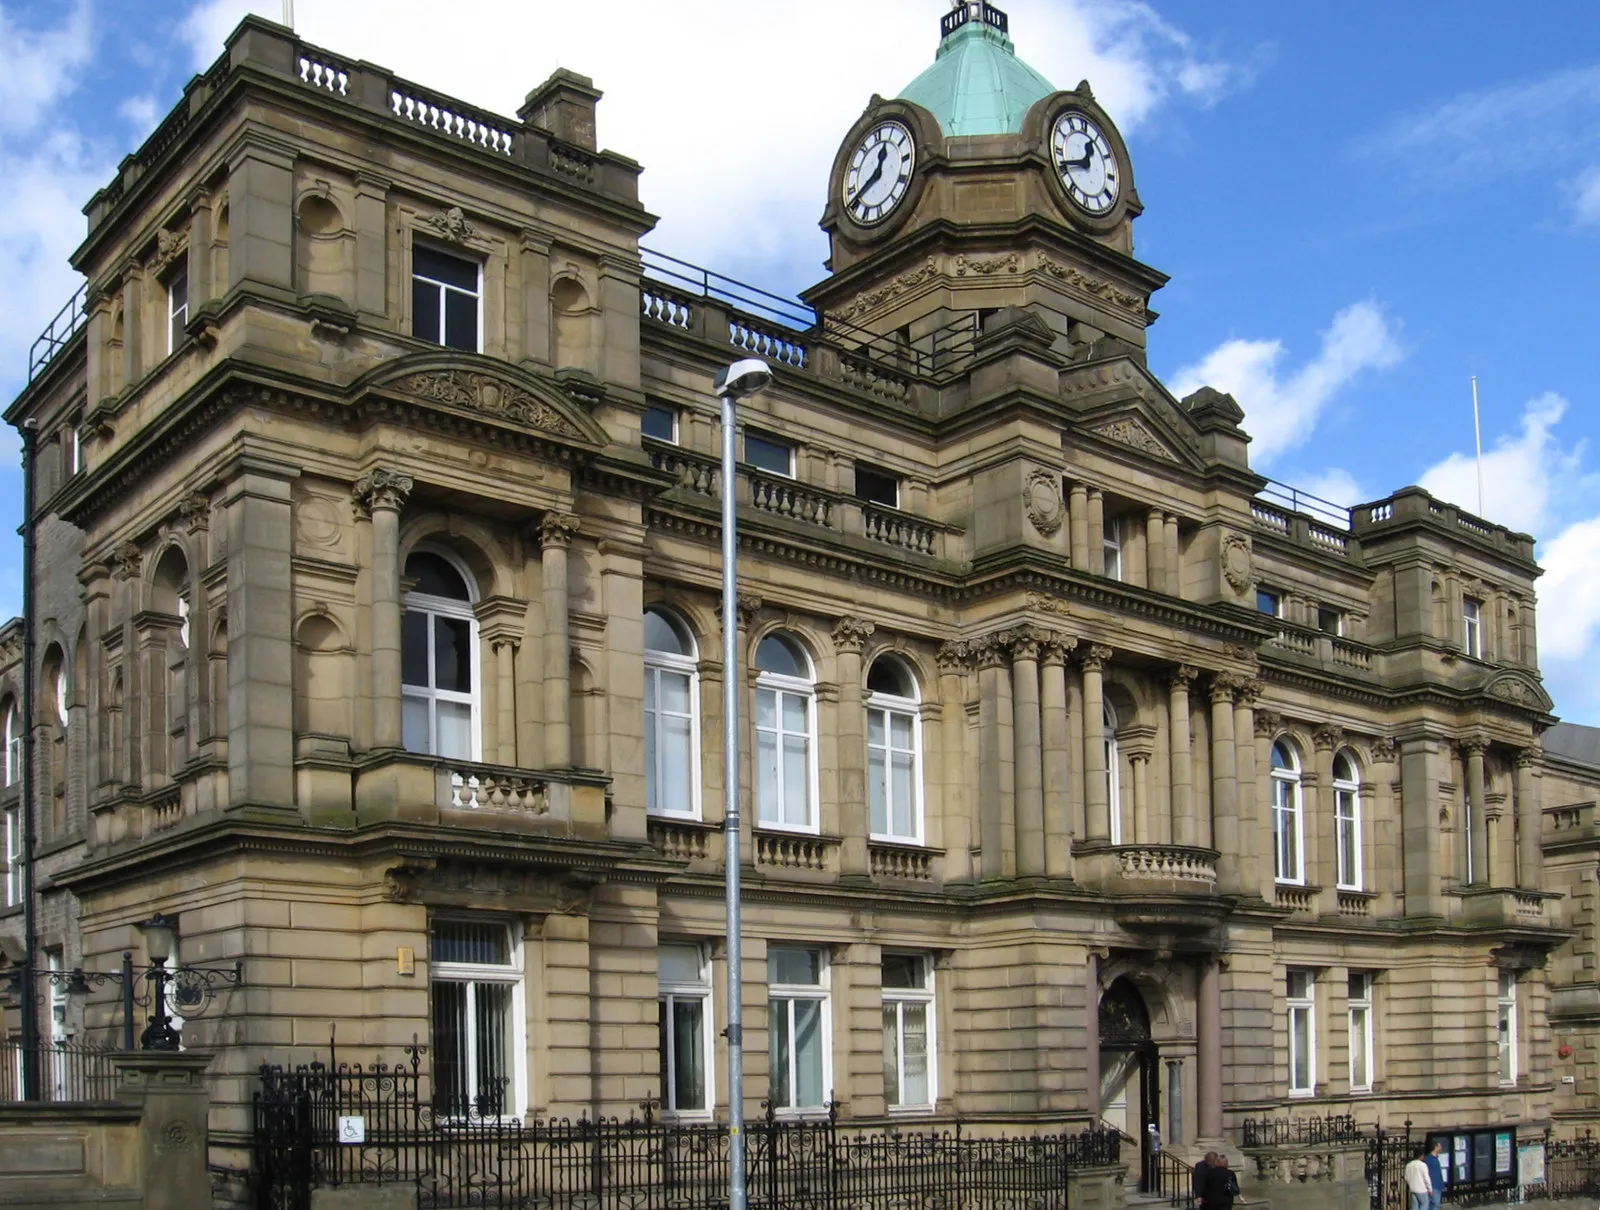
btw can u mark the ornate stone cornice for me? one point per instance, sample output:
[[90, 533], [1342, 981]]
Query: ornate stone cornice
[[382, 487], [850, 634], [557, 530]]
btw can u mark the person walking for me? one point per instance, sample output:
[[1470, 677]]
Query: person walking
[[1197, 1179], [1438, 1173], [1220, 1187], [1418, 1181]]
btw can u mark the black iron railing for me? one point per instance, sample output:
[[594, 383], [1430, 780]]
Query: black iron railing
[[68, 1071], [1280, 1132], [58, 332]]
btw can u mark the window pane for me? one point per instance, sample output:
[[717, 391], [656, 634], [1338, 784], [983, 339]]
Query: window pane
[[455, 730], [485, 943], [778, 1051], [900, 730], [902, 971], [875, 728], [425, 311], [435, 576], [877, 486], [904, 820], [452, 654], [493, 1026], [767, 454], [915, 1017], [779, 655], [675, 692], [878, 789], [441, 266], [660, 423], [766, 708], [797, 966], [662, 634], [652, 775], [461, 321], [414, 647], [767, 776], [688, 1042], [794, 712], [679, 964], [796, 776], [448, 1013], [891, 1054], [808, 1052], [676, 791], [1300, 1048], [416, 735], [1360, 1070], [178, 293]]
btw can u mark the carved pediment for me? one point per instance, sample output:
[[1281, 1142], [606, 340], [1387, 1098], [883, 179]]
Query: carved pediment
[[1120, 401], [1519, 690], [1133, 432], [494, 392]]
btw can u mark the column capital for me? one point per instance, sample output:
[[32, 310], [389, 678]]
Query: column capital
[[850, 634], [382, 487], [1055, 647], [1529, 758], [1024, 643], [556, 530], [1094, 657], [954, 657], [195, 511], [1383, 750], [1226, 686], [991, 650], [1473, 745], [747, 604], [1268, 723], [1327, 737], [1180, 678], [126, 560], [1248, 692]]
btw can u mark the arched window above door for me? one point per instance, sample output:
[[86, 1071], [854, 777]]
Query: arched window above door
[[439, 658]]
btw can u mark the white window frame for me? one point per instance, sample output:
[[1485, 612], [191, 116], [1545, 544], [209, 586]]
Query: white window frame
[[670, 992], [473, 973], [1113, 751], [1288, 812], [447, 287], [787, 994], [1302, 1007], [1506, 1027], [897, 999], [802, 687], [1360, 1016], [74, 444], [13, 729], [674, 413], [451, 608], [1111, 547], [177, 313], [1347, 824], [657, 663], [1472, 627], [14, 855], [770, 439], [890, 705]]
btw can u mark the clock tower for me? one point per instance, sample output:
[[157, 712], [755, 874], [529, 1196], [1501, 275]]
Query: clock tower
[[982, 186]]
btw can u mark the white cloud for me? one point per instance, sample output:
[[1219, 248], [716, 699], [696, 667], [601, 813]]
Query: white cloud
[[141, 114], [1282, 409], [1335, 485], [739, 181], [1586, 196], [1522, 473], [38, 67]]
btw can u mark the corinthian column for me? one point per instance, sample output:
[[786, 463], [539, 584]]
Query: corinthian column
[[1225, 786], [1530, 822], [855, 821], [1028, 760], [1055, 744], [382, 494], [997, 821], [555, 537], [954, 660], [1179, 756], [1097, 804], [1473, 750]]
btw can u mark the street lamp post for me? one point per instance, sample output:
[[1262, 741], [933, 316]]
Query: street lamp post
[[160, 937], [733, 383]]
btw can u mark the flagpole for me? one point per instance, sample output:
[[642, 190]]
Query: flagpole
[[288, 13], [1477, 432]]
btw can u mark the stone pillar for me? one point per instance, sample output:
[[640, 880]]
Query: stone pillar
[[555, 537], [1055, 744], [1174, 558], [1155, 551], [1097, 532], [1143, 832], [1530, 822], [1091, 1033], [260, 638], [1027, 735], [534, 267], [1472, 750], [954, 660], [382, 494], [505, 678], [1179, 757], [996, 773], [170, 1089], [1321, 814], [1097, 804], [132, 323], [1252, 810], [201, 286], [1078, 522], [855, 816], [1208, 1051], [1225, 786], [372, 258]]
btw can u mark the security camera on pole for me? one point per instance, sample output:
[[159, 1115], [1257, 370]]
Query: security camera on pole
[[736, 381]]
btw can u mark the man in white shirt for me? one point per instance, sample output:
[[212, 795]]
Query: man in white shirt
[[1418, 1181]]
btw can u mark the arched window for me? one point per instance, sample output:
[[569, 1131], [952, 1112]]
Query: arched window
[[1347, 820], [439, 659], [1288, 858], [1113, 771], [13, 725], [671, 717], [894, 752], [785, 732]]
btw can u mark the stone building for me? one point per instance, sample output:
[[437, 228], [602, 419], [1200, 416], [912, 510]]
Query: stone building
[[1087, 773]]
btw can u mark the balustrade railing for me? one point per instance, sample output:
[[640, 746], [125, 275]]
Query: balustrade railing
[[901, 861], [896, 529], [1284, 1132], [795, 852], [664, 306], [317, 70], [475, 787], [1352, 654], [1175, 863], [786, 498], [449, 117], [766, 342], [573, 162], [681, 840], [1296, 898]]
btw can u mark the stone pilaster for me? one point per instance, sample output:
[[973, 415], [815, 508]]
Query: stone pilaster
[[381, 493], [996, 773], [1472, 753], [954, 662], [1530, 821], [1096, 785], [1078, 524], [1097, 532], [850, 635], [1028, 759], [556, 531], [1225, 786], [1180, 758], [1055, 741], [1155, 551]]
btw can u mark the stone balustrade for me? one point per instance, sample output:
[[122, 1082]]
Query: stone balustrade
[[909, 862], [1167, 863], [686, 839], [1296, 898], [464, 786], [792, 851]]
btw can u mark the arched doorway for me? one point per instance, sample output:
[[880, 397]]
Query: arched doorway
[[1130, 1073]]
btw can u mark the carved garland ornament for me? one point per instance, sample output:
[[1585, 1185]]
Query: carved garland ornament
[[1041, 496], [1237, 568], [1132, 433], [895, 286], [984, 266], [481, 393], [1092, 285]]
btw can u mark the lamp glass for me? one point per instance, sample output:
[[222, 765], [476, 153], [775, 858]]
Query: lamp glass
[[160, 938]]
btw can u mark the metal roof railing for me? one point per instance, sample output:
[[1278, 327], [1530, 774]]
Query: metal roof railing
[[58, 332]]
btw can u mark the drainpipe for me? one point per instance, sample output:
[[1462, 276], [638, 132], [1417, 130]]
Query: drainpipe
[[30, 927]]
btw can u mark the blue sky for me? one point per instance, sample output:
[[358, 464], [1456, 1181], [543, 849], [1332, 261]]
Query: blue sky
[[1361, 205]]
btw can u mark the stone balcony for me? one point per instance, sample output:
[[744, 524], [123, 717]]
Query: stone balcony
[[1146, 869], [1506, 907], [433, 789]]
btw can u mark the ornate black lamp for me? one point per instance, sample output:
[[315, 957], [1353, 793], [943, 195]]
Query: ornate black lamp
[[160, 939]]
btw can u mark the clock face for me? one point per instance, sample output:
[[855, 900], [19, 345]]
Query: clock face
[[879, 173], [1085, 162]]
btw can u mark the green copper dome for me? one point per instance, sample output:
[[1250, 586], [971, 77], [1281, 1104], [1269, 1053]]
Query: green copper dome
[[977, 85]]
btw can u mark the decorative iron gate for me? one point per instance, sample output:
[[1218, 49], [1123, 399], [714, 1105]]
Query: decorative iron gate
[[339, 1124], [1388, 1152]]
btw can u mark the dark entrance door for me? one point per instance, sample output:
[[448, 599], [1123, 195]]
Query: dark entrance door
[[1125, 1030]]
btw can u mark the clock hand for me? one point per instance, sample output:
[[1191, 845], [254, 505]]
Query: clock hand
[[1088, 158], [883, 154]]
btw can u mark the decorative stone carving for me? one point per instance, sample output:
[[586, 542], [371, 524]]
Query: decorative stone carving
[[1224, 686], [1131, 432], [316, 521], [1519, 692], [169, 246], [403, 883], [557, 529], [1093, 285], [926, 271], [992, 650], [1237, 567], [1024, 643], [1528, 758], [850, 634], [382, 488], [748, 604], [125, 560], [1056, 647], [1045, 603], [1328, 736], [984, 266], [1041, 496], [1383, 750], [195, 510], [1268, 724], [451, 225], [954, 657], [1094, 657], [1181, 677], [491, 396]]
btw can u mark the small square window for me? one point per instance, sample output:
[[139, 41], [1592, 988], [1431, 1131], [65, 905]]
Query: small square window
[[1269, 603], [769, 454], [877, 486], [660, 423], [1330, 621], [445, 293]]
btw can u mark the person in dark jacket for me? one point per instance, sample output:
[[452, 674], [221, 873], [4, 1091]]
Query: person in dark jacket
[[1197, 1181], [1220, 1188]]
